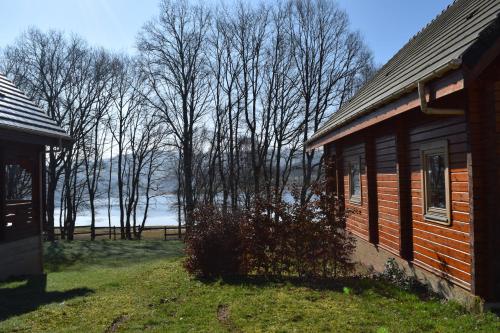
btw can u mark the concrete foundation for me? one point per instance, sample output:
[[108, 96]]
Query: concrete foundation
[[374, 258]]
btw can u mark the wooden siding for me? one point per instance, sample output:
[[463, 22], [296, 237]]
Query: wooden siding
[[387, 193], [357, 221], [463, 252], [440, 247], [466, 251]]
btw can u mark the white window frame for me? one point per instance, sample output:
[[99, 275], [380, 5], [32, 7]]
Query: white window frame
[[355, 199], [434, 214]]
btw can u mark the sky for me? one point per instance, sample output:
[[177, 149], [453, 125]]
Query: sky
[[386, 25]]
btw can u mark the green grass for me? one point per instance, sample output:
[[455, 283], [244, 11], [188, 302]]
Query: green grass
[[120, 286]]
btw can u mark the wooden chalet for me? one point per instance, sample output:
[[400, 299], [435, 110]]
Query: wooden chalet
[[25, 133], [416, 152]]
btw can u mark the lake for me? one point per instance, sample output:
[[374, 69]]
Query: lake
[[162, 211]]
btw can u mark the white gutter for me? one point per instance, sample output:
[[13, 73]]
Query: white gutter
[[434, 111]]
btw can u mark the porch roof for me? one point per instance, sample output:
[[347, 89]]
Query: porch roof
[[18, 113]]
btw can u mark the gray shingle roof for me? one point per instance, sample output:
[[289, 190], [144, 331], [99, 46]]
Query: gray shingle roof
[[443, 41], [19, 113]]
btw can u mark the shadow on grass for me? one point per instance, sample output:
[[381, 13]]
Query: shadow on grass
[[61, 255], [27, 297], [355, 285]]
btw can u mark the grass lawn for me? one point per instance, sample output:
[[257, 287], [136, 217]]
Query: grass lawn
[[118, 286]]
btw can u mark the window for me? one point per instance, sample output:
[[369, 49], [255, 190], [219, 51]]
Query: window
[[435, 182], [354, 165]]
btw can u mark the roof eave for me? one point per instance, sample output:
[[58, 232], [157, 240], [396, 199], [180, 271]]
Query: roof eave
[[447, 79], [316, 140], [58, 139]]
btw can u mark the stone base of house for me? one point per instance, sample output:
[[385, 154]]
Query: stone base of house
[[374, 258], [21, 258]]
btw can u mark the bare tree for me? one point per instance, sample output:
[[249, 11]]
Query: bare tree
[[174, 60], [155, 170], [110, 181], [88, 88], [231, 93], [250, 27], [94, 144], [327, 55], [145, 138], [42, 65], [127, 102], [282, 102], [68, 79]]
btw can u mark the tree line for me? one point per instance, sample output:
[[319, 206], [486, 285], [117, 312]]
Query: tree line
[[222, 97]]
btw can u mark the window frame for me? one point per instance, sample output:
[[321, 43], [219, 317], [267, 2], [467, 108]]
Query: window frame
[[355, 199], [434, 214]]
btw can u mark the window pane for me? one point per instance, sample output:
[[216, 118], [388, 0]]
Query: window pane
[[435, 181], [355, 185]]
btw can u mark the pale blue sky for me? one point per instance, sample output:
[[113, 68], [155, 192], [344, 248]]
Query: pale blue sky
[[385, 24]]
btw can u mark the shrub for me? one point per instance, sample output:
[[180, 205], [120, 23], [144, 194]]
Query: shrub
[[396, 275], [214, 243], [309, 239], [272, 238]]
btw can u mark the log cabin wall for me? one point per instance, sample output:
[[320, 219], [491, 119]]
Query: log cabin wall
[[444, 250], [448, 225], [465, 252], [387, 193]]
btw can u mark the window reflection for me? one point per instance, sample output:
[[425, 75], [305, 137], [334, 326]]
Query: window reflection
[[354, 180], [436, 189]]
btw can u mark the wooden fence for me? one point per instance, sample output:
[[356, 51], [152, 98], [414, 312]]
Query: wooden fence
[[166, 232]]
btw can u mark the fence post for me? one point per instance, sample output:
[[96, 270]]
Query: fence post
[[114, 232]]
